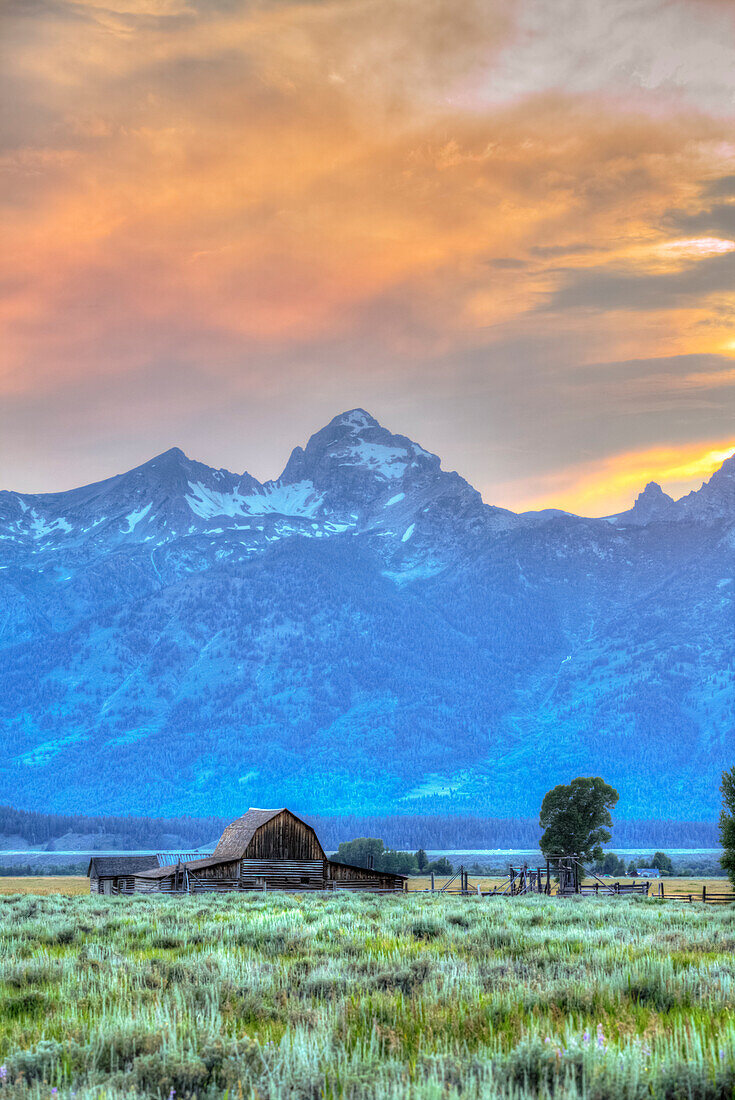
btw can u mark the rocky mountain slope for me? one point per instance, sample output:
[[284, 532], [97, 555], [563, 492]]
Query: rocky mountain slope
[[362, 635]]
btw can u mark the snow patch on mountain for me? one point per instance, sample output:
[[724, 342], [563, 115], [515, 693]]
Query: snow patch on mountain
[[42, 527], [298, 499], [387, 462], [135, 517], [357, 419]]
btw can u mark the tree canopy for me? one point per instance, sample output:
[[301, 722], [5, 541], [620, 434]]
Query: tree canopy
[[364, 850], [576, 818], [727, 823]]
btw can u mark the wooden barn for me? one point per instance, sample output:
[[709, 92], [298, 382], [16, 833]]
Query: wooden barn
[[264, 850]]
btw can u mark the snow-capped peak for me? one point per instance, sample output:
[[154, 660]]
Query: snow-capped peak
[[356, 420]]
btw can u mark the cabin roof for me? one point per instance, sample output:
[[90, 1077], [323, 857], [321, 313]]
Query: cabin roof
[[109, 866], [235, 839]]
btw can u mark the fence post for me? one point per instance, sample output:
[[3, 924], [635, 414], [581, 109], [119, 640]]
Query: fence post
[[704, 893], [432, 882]]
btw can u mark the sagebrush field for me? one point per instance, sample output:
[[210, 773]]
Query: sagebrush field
[[275, 996]]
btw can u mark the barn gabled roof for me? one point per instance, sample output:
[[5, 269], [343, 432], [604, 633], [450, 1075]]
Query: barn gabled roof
[[105, 866], [236, 837], [239, 833]]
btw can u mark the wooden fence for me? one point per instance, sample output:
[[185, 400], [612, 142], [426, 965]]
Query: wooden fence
[[706, 895]]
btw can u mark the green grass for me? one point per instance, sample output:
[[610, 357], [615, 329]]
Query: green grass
[[342, 996]]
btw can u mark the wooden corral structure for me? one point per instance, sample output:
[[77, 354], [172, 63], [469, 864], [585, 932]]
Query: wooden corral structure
[[262, 850], [562, 877]]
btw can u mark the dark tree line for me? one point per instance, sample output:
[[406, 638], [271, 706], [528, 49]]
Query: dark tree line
[[399, 832]]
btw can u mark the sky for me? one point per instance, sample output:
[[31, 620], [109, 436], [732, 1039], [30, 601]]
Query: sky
[[504, 227]]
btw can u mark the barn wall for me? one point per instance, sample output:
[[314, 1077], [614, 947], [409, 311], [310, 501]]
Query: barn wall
[[284, 837], [304, 874], [361, 878], [217, 873]]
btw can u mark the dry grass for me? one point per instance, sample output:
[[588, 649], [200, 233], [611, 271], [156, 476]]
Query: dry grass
[[671, 885], [77, 884], [45, 884]]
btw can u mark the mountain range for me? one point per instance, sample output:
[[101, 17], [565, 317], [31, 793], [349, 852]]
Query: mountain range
[[362, 635]]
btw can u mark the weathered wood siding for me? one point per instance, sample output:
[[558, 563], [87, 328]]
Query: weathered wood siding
[[360, 878], [284, 874], [284, 837], [112, 885], [218, 873]]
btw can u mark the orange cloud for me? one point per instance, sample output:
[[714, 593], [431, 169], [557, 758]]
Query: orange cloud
[[241, 189]]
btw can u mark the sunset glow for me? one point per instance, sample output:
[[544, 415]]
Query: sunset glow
[[506, 227], [611, 485]]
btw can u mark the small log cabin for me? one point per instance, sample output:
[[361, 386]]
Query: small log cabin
[[115, 874], [262, 850]]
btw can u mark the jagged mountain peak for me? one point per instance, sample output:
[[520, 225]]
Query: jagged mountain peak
[[651, 505], [652, 500], [355, 448], [354, 419], [726, 472], [715, 500]]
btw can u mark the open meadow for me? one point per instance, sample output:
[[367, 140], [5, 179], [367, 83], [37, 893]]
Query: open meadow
[[276, 996], [79, 884]]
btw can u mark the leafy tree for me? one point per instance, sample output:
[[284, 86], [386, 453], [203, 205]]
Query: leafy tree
[[440, 866], [727, 824], [358, 852], [576, 818], [422, 860], [632, 869], [663, 863], [401, 863], [610, 865]]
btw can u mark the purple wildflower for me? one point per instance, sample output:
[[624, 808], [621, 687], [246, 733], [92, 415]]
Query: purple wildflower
[[586, 1037], [3, 1072], [600, 1038]]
